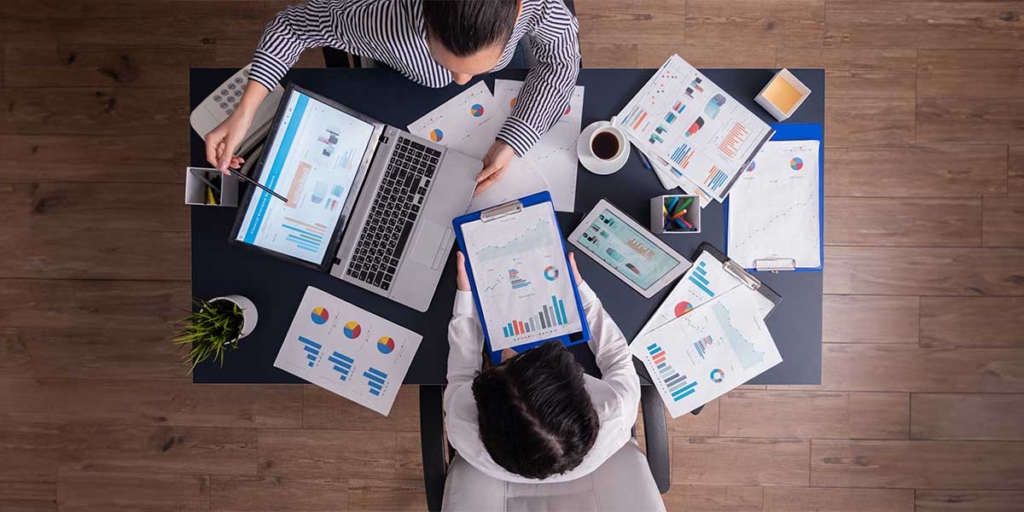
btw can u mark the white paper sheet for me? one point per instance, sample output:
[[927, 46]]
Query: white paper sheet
[[348, 351], [554, 156], [774, 208], [700, 356], [469, 123], [702, 131], [704, 281]]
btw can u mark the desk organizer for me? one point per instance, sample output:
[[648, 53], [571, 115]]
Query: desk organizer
[[197, 182], [666, 218], [783, 94]]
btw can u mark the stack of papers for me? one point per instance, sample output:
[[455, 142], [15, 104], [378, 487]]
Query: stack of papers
[[348, 351], [696, 135], [706, 338], [469, 123]]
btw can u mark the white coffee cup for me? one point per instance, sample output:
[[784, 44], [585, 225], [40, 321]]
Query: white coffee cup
[[606, 150]]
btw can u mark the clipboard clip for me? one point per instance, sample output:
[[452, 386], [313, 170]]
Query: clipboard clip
[[735, 270], [502, 210], [775, 265]]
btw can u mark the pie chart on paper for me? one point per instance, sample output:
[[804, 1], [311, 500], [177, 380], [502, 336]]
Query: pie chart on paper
[[320, 315], [796, 163], [683, 308], [436, 135], [352, 330], [477, 110], [386, 345]]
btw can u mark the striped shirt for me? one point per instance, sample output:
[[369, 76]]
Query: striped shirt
[[393, 32]]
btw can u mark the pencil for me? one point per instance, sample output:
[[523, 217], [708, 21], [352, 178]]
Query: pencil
[[687, 202], [239, 175], [672, 205]]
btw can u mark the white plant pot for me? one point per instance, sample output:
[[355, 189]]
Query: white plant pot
[[249, 314]]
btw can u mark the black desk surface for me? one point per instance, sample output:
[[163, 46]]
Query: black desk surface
[[219, 268]]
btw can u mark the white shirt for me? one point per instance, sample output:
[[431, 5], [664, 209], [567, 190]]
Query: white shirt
[[616, 396]]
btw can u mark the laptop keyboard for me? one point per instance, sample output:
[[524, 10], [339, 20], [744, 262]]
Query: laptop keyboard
[[407, 179]]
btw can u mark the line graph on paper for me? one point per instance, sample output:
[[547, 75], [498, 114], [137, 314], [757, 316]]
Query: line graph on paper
[[775, 213]]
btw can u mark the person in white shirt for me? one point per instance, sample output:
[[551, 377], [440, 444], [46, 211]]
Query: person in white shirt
[[537, 417]]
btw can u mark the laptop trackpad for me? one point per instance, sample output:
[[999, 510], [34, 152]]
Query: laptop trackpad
[[433, 237]]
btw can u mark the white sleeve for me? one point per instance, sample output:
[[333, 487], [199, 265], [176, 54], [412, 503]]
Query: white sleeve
[[611, 350], [465, 345]]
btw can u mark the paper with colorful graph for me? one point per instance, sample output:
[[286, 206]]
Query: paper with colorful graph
[[712, 348], [469, 124], [702, 132], [347, 350], [554, 155]]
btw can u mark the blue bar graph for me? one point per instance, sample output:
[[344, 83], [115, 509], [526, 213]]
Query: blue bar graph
[[312, 347], [674, 381], [302, 243], [342, 364], [699, 279], [376, 380]]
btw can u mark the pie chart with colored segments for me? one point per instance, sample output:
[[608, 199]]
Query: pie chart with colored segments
[[683, 308], [796, 163], [477, 110], [717, 375], [320, 315], [386, 345], [550, 273], [352, 330], [436, 135]]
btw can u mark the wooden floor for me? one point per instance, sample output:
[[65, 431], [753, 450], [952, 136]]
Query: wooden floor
[[922, 402]]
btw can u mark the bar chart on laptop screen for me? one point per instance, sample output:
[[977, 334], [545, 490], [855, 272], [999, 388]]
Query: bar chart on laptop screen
[[518, 265], [312, 161]]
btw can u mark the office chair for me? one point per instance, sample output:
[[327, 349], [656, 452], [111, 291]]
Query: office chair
[[619, 484]]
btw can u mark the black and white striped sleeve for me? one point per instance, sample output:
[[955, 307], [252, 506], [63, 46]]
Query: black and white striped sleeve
[[296, 28], [549, 84]]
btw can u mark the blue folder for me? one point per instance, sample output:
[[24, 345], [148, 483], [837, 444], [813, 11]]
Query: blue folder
[[800, 131], [535, 199]]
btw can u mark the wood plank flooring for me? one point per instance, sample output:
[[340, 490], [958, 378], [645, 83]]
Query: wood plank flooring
[[920, 403]]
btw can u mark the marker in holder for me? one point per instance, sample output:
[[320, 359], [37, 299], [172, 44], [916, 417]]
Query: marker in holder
[[675, 214]]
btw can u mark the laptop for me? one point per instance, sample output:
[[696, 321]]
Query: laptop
[[366, 202]]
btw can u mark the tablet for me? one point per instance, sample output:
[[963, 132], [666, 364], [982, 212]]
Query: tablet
[[628, 250], [520, 276]]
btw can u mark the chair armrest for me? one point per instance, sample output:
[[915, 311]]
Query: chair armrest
[[432, 444], [656, 434]]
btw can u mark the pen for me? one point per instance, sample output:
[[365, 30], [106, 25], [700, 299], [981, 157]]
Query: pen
[[234, 172], [644, 160], [672, 205], [197, 174], [684, 223], [687, 202]]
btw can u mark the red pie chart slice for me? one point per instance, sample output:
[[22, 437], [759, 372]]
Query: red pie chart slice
[[683, 308]]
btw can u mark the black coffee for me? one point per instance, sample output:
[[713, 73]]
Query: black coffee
[[605, 145]]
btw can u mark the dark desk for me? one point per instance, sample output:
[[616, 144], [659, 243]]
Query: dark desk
[[219, 268]]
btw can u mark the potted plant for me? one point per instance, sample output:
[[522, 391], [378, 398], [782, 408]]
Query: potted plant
[[215, 327]]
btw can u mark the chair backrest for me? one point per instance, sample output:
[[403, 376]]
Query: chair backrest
[[622, 483]]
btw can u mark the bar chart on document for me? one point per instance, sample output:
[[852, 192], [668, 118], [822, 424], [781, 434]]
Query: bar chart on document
[[683, 117], [518, 265]]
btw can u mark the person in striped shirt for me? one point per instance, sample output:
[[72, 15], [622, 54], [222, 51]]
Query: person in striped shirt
[[433, 43]]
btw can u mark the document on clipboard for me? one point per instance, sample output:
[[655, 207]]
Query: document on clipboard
[[711, 275], [709, 335], [520, 276], [774, 213]]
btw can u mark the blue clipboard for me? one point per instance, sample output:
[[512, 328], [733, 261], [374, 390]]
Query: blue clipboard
[[799, 131], [504, 210]]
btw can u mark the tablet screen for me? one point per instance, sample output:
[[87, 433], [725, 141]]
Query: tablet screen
[[626, 250], [312, 160], [522, 281]]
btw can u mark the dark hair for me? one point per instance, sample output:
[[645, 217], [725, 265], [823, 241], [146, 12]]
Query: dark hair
[[465, 27], [536, 417]]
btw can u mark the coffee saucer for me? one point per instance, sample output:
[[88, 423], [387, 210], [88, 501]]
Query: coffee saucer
[[593, 163]]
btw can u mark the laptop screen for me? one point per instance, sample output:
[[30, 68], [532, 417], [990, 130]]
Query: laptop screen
[[313, 160]]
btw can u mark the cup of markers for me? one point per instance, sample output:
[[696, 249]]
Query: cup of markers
[[675, 214]]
